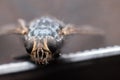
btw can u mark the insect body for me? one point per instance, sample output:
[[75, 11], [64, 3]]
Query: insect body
[[43, 37], [46, 37]]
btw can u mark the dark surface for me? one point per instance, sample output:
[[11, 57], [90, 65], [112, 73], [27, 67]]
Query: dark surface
[[98, 13]]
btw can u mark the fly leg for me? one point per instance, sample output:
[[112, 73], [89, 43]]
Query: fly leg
[[33, 53], [48, 54]]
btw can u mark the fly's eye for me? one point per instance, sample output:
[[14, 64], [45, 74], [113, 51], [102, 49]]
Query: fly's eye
[[52, 48], [29, 46], [52, 45]]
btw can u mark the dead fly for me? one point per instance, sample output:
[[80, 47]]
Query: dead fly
[[43, 37]]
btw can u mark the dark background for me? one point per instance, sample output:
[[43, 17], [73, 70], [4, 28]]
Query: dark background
[[104, 14]]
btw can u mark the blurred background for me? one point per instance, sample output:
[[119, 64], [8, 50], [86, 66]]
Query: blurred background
[[104, 14]]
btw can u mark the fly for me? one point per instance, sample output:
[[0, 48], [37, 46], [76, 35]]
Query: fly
[[44, 36]]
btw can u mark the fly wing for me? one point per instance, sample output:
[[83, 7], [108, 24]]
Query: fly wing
[[8, 29], [85, 30], [19, 28]]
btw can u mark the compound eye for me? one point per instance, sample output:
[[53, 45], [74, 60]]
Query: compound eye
[[28, 46]]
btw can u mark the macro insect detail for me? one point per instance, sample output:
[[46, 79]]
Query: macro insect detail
[[44, 36]]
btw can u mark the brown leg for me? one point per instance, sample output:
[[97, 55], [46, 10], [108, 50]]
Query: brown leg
[[47, 52], [33, 53], [45, 45]]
